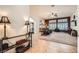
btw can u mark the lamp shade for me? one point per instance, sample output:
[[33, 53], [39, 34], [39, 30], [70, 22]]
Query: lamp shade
[[27, 23], [4, 19]]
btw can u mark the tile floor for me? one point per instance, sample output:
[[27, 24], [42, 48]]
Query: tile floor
[[43, 46]]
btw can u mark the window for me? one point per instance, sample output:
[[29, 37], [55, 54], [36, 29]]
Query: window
[[52, 24], [62, 24]]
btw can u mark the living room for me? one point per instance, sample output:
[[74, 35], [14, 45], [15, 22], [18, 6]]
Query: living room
[[45, 28]]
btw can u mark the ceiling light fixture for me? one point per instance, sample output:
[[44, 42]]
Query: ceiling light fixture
[[52, 5]]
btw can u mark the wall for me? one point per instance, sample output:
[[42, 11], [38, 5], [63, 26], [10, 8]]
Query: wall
[[36, 24], [16, 15], [78, 27], [78, 19], [76, 13]]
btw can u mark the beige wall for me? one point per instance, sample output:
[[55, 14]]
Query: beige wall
[[16, 16], [78, 26]]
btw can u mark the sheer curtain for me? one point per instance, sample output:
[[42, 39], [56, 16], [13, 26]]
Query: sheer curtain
[[62, 24], [52, 24]]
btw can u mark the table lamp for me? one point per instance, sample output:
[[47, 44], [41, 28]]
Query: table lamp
[[4, 20]]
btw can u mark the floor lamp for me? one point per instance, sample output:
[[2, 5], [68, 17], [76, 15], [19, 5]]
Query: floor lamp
[[30, 34], [4, 20], [27, 23]]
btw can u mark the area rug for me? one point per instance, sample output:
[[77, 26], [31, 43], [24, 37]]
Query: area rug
[[60, 37]]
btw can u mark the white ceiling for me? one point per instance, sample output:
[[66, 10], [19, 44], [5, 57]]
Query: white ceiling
[[44, 11]]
